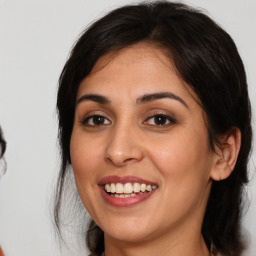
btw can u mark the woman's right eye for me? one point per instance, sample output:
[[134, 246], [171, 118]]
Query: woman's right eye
[[95, 120]]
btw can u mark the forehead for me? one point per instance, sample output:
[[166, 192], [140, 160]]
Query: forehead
[[134, 70], [133, 54]]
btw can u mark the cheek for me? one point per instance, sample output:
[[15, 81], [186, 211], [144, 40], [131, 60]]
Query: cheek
[[85, 163], [182, 156], [84, 154], [184, 162]]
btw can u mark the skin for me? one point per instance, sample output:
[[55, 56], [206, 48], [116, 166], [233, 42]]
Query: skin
[[175, 155]]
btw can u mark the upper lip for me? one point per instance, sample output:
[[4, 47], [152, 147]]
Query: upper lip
[[123, 180]]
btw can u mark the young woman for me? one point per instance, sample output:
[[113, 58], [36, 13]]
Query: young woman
[[154, 119]]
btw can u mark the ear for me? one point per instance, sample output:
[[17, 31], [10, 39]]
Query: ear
[[226, 154]]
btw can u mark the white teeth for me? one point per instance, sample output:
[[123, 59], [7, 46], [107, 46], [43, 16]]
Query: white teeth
[[119, 188], [113, 188], [128, 188], [136, 187], [149, 188], [143, 187], [123, 195], [107, 188]]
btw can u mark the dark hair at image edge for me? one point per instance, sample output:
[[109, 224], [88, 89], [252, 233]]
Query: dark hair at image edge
[[207, 59], [2, 144]]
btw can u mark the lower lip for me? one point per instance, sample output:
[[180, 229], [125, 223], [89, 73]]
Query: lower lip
[[127, 201]]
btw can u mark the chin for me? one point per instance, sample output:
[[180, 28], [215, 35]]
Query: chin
[[129, 231], [129, 236]]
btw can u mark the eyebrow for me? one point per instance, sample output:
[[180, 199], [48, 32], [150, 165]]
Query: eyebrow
[[93, 97], [147, 98]]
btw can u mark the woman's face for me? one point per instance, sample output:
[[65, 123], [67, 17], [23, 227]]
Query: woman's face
[[139, 134]]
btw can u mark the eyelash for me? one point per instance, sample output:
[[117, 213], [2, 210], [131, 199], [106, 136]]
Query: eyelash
[[87, 120], [90, 118], [165, 118]]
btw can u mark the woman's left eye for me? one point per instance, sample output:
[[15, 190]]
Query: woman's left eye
[[95, 120], [160, 120]]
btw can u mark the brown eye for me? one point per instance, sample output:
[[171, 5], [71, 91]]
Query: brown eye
[[96, 120], [160, 120]]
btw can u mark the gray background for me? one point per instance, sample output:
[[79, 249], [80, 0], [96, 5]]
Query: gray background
[[35, 39]]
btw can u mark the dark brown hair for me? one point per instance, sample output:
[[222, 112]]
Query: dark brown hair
[[2, 144], [207, 59]]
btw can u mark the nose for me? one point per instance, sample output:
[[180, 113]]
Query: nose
[[123, 146]]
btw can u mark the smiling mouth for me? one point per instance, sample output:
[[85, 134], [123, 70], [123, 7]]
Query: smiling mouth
[[119, 190]]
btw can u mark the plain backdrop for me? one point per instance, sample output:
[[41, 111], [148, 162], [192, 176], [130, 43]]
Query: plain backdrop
[[35, 39]]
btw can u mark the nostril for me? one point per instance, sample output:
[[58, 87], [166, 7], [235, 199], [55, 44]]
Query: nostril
[[119, 161], [129, 160], [109, 160]]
